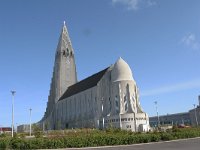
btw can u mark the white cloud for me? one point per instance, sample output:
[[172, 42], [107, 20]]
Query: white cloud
[[173, 88], [151, 3], [130, 4], [135, 4], [191, 41]]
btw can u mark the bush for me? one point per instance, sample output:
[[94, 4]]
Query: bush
[[16, 143], [88, 137], [167, 136], [155, 137], [3, 135], [22, 135], [4, 143]]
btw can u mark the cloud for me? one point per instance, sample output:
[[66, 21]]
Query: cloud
[[172, 88], [130, 4], [151, 3], [134, 4], [191, 41]]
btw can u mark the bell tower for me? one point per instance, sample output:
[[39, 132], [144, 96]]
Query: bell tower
[[64, 66], [64, 71]]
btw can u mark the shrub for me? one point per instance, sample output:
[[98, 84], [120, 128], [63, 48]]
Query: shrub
[[88, 137], [155, 137], [3, 135], [16, 143], [4, 142], [167, 136], [21, 135]]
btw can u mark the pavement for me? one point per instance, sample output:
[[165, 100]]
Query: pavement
[[184, 144]]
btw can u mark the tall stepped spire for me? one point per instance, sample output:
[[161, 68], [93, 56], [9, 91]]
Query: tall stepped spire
[[64, 70], [64, 67]]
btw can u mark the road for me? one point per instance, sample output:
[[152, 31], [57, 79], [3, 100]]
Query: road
[[188, 144]]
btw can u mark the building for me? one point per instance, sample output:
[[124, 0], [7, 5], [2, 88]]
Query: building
[[192, 117], [109, 98], [171, 119], [195, 114], [5, 129], [23, 128]]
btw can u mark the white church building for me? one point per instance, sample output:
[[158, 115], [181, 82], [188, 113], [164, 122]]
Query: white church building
[[109, 98]]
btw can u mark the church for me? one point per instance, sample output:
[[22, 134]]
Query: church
[[108, 98]]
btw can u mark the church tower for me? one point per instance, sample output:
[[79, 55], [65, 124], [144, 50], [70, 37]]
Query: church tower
[[64, 66], [64, 71]]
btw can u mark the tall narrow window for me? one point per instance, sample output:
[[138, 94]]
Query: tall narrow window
[[110, 105], [117, 104], [133, 101], [125, 103], [95, 106]]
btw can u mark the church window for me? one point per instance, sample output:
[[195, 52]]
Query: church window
[[125, 99], [117, 104], [126, 107], [133, 101], [75, 105], [110, 106], [62, 110], [64, 53], [133, 97], [95, 100], [125, 103]]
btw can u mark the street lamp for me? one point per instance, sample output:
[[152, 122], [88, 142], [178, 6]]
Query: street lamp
[[30, 121], [157, 112], [13, 96], [195, 113]]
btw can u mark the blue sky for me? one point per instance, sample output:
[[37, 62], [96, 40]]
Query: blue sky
[[159, 39]]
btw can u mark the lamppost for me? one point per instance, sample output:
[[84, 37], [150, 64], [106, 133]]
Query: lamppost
[[195, 113], [157, 113], [30, 121], [13, 96]]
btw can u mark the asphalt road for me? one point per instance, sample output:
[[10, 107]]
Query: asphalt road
[[188, 144]]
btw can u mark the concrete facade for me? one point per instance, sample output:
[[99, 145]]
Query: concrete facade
[[109, 98], [23, 128]]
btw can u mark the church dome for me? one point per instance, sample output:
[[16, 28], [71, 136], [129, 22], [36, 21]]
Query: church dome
[[121, 71]]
